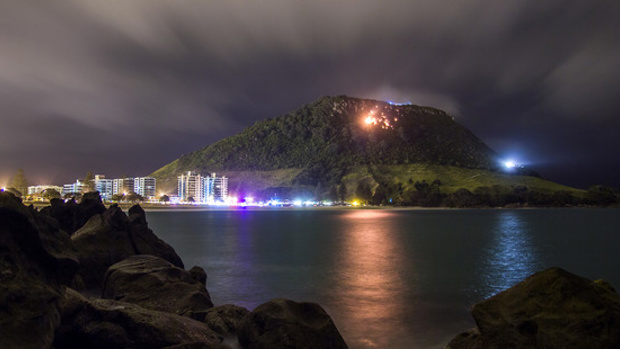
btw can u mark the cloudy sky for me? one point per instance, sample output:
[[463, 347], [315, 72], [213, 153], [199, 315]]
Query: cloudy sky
[[123, 87]]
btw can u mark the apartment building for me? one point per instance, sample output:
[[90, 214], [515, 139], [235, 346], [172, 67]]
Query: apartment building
[[190, 185], [122, 186], [104, 186], [37, 189], [144, 186], [208, 190]]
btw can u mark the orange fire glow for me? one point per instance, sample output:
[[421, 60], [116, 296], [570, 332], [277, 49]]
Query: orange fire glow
[[381, 119]]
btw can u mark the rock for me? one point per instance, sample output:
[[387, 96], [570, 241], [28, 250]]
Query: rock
[[199, 275], [105, 323], [137, 214], [146, 242], [195, 345], [101, 242], [468, 339], [111, 237], [72, 216], [36, 260], [550, 309], [156, 284], [282, 323], [225, 319]]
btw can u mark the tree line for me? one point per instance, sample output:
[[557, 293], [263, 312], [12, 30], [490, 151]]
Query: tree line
[[429, 194]]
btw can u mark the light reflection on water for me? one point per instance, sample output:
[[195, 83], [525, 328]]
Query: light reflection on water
[[511, 255], [371, 285]]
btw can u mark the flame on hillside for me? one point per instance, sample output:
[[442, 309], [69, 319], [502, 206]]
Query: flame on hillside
[[382, 118]]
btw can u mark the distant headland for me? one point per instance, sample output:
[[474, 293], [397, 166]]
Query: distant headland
[[347, 150]]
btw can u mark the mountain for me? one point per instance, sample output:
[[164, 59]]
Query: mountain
[[328, 147]]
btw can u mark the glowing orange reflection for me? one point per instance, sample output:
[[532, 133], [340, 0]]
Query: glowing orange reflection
[[370, 272]]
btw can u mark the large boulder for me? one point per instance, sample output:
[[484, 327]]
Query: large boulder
[[111, 237], [36, 261], [282, 323], [154, 283], [105, 323], [72, 216], [225, 319], [550, 309], [146, 242]]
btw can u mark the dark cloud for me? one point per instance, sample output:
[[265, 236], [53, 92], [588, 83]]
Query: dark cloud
[[124, 87]]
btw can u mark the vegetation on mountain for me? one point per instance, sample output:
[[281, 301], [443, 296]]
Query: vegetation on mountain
[[343, 149], [19, 182], [89, 182]]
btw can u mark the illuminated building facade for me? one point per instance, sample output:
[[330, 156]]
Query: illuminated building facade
[[210, 189], [220, 188], [104, 186], [37, 189], [122, 186], [144, 186], [207, 189], [73, 188], [190, 185]]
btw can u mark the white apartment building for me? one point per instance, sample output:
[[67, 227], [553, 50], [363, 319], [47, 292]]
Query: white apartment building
[[37, 189], [144, 186], [190, 185], [219, 188], [104, 186], [209, 190], [122, 186], [73, 188]]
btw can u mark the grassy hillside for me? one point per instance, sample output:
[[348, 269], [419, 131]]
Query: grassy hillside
[[454, 178], [440, 185]]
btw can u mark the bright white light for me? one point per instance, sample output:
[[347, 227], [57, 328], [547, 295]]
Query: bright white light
[[369, 120], [510, 164]]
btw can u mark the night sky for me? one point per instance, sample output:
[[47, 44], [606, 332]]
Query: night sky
[[124, 87]]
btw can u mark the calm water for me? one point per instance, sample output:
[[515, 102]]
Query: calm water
[[388, 278]]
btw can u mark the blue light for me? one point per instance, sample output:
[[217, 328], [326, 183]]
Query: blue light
[[510, 164], [396, 103]]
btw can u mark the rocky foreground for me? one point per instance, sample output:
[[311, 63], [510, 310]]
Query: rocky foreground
[[53, 261], [550, 309]]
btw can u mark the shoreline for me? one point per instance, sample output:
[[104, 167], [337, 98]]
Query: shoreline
[[189, 207]]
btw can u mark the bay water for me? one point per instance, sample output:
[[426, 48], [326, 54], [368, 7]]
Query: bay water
[[389, 278]]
